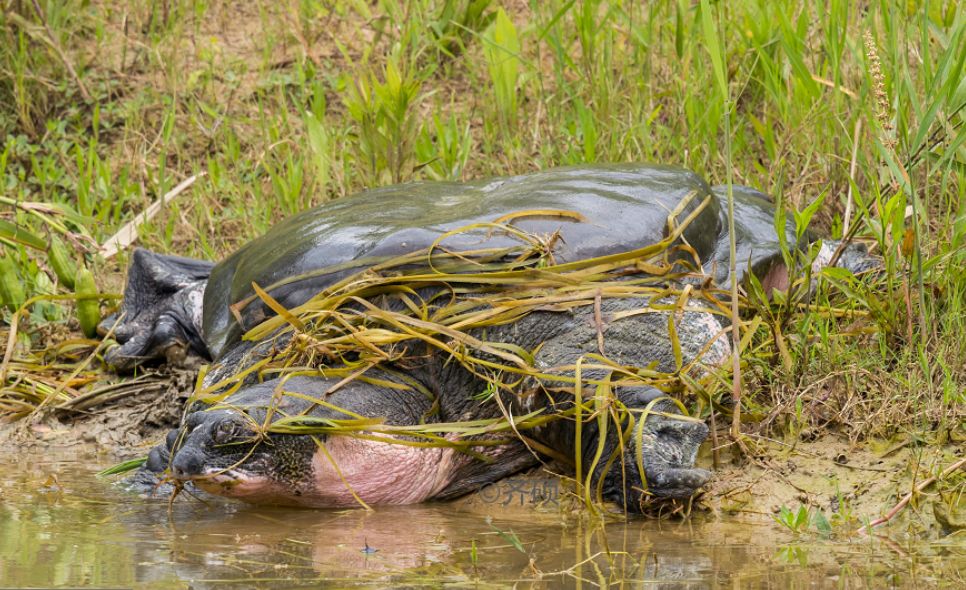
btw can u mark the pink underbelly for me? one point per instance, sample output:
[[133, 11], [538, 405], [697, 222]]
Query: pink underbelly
[[379, 472]]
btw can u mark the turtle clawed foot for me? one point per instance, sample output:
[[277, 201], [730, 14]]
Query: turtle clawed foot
[[161, 315]]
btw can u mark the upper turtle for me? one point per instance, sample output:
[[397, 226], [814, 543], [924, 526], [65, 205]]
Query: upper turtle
[[593, 211]]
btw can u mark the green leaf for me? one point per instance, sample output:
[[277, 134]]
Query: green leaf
[[780, 222], [959, 227], [19, 235], [588, 131], [793, 53], [502, 52], [804, 218], [123, 467], [679, 29], [838, 273], [713, 43], [319, 146], [510, 537], [822, 524], [801, 519]]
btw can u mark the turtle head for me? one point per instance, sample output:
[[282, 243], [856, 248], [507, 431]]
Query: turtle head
[[855, 258], [658, 460], [221, 451]]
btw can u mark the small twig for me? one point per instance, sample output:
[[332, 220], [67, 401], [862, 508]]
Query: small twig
[[129, 233], [908, 301], [860, 468], [715, 451], [8, 350], [52, 41], [599, 323], [124, 46], [850, 93], [892, 545], [908, 497], [846, 240], [934, 139]]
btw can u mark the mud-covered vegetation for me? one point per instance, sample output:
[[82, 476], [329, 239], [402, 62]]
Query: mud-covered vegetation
[[850, 114]]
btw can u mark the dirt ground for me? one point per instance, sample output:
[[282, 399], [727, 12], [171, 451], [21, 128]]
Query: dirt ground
[[849, 484], [125, 425]]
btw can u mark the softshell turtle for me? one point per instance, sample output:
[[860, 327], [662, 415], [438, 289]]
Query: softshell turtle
[[175, 305]]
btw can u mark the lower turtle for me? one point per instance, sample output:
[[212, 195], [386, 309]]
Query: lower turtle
[[426, 423]]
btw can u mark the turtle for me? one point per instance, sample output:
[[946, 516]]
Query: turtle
[[176, 307]]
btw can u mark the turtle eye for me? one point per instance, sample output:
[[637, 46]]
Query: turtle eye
[[228, 431]]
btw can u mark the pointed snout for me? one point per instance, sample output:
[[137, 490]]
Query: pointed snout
[[678, 482], [669, 454], [189, 446], [210, 440], [188, 463]]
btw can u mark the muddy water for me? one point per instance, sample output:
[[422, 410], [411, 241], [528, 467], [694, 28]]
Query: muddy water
[[60, 526]]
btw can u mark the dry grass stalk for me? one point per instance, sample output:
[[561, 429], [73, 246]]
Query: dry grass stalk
[[879, 88]]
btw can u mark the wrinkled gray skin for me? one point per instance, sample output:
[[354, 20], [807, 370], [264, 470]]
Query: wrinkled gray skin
[[175, 306]]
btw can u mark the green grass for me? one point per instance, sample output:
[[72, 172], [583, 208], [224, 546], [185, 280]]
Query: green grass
[[289, 104]]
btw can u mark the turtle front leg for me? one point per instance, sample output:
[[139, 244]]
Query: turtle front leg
[[161, 314]]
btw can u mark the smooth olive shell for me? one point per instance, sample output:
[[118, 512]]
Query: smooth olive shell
[[624, 207]]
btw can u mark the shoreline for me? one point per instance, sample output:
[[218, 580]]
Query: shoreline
[[849, 484]]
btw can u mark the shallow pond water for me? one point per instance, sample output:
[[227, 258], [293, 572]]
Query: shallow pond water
[[61, 526]]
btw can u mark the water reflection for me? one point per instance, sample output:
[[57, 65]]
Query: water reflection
[[59, 526]]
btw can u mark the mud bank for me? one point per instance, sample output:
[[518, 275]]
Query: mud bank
[[138, 412], [848, 484]]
